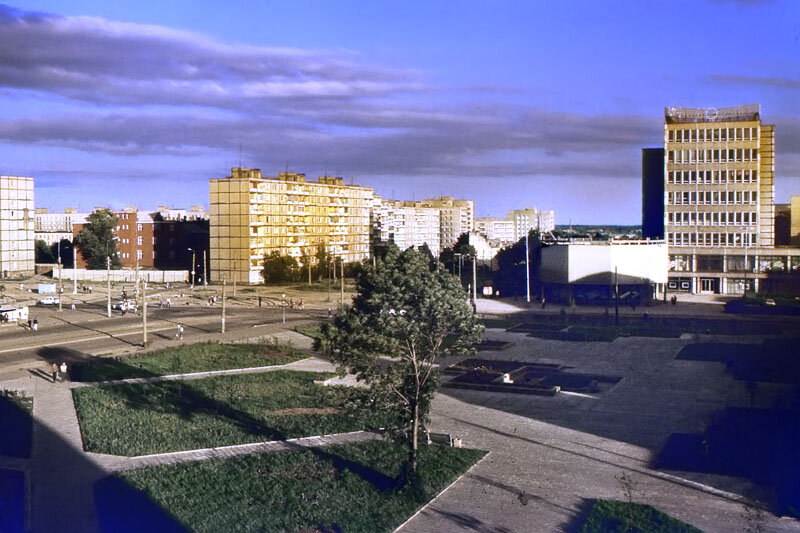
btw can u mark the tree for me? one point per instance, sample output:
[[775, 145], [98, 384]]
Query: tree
[[42, 252], [405, 317], [280, 268], [324, 262], [96, 240]]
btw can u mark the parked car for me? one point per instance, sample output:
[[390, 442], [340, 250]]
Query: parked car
[[125, 305], [49, 300]]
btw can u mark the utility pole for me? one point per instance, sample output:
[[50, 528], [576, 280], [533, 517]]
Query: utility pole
[[108, 283], [283, 306], [309, 268], [205, 270], [234, 287], [616, 299], [191, 272], [527, 269], [224, 295], [144, 313], [342, 273], [74, 270], [60, 281], [474, 284]]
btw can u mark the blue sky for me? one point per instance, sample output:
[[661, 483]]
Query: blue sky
[[511, 104]]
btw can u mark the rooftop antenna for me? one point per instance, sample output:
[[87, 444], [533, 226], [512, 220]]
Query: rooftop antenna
[[286, 166], [240, 154]]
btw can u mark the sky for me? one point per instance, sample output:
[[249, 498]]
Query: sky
[[508, 103]]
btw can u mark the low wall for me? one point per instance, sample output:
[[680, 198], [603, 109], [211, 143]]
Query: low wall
[[126, 275]]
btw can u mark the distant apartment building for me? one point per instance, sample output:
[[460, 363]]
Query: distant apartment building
[[406, 224], [496, 229], [719, 215], [56, 227], [16, 226], [531, 218], [195, 212], [253, 215], [455, 217]]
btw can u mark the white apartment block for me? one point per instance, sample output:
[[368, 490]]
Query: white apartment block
[[16, 226], [55, 227], [456, 217], [531, 218], [251, 216], [496, 229], [406, 224], [195, 212]]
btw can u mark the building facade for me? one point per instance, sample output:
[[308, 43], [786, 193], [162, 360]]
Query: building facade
[[719, 216], [16, 226], [455, 217], [531, 218], [406, 224], [496, 229], [56, 227], [253, 215]]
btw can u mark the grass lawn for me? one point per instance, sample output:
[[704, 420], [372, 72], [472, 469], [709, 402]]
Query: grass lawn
[[16, 425], [310, 330], [609, 516], [335, 488], [185, 359], [140, 419]]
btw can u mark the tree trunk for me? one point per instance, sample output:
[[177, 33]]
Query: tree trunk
[[414, 444]]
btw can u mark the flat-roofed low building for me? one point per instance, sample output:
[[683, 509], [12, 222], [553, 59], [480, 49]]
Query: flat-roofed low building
[[16, 226], [253, 215], [587, 272]]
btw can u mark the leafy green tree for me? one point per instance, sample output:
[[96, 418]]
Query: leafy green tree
[[324, 262], [280, 268], [405, 317], [42, 252], [96, 240]]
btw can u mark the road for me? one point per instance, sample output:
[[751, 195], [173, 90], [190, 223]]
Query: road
[[72, 335]]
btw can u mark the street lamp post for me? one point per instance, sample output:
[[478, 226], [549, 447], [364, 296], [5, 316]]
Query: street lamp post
[[283, 306], [108, 285], [205, 269], [527, 270], [191, 272], [144, 313]]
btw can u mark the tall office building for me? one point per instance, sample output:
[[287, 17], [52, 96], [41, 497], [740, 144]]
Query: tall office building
[[252, 216], [719, 213], [496, 229], [16, 226], [653, 193]]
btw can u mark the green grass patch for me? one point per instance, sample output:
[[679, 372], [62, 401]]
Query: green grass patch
[[16, 424], [610, 516], [310, 330], [337, 488], [498, 323], [145, 418], [185, 359]]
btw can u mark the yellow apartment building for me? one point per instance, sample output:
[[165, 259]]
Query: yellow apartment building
[[253, 215]]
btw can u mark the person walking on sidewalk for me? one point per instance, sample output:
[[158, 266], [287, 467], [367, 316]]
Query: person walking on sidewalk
[[54, 372], [179, 334]]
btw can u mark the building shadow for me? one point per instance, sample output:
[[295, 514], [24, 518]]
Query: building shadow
[[758, 445]]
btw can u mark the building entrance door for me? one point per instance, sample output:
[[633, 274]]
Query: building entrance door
[[708, 285]]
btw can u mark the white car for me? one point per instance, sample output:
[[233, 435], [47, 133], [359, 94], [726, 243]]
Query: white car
[[125, 305], [49, 300]]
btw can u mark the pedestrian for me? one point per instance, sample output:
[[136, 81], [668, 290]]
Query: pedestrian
[[330, 313], [63, 369], [35, 324], [301, 305], [259, 301], [54, 371], [544, 302], [179, 334], [72, 306], [30, 325], [169, 303]]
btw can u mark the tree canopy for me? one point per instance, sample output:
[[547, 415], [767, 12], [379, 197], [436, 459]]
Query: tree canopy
[[280, 268], [96, 240], [407, 314]]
